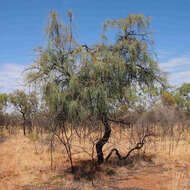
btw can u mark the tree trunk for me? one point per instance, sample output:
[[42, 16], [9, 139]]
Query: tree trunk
[[103, 140], [24, 129], [24, 123]]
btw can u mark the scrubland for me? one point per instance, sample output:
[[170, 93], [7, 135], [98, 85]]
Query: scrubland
[[27, 162]]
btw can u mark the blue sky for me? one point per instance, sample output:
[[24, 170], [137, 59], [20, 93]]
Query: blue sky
[[22, 26]]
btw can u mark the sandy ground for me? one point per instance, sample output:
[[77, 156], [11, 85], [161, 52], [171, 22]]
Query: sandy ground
[[25, 164]]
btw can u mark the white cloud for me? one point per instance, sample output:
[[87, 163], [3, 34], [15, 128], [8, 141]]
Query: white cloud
[[179, 78], [176, 64], [178, 69], [11, 77]]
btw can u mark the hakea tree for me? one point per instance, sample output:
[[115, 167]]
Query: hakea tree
[[83, 83]]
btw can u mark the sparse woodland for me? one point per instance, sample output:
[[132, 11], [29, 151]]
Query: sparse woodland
[[99, 104]]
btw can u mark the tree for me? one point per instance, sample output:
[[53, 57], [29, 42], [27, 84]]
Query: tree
[[169, 98], [178, 97], [26, 105], [3, 104], [182, 97], [83, 83], [3, 101]]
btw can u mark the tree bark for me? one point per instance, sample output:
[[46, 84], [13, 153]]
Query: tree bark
[[24, 129], [24, 125], [103, 140]]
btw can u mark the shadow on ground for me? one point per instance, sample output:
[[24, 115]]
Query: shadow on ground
[[87, 175], [63, 187], [2, 138]]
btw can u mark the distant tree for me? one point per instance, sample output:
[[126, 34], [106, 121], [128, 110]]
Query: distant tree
[[26, 105], [3, 104], [177, 97], [168, 98], [3, 101], [83, 83], [182, 97]]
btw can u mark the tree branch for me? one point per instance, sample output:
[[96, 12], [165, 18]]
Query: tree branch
[[138, 146], [120, 121]]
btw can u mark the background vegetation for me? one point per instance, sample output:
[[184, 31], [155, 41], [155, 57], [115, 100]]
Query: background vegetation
[[88, 93]]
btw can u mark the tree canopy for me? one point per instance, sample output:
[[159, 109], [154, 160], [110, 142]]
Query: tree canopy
[[3, 100], [81, 82]]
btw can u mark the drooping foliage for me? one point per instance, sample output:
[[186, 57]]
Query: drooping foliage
[[81, 82]]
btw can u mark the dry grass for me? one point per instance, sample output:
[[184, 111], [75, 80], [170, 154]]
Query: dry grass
[[161, 165]]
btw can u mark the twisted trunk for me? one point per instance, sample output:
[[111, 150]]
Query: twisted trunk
[[103, 140]]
